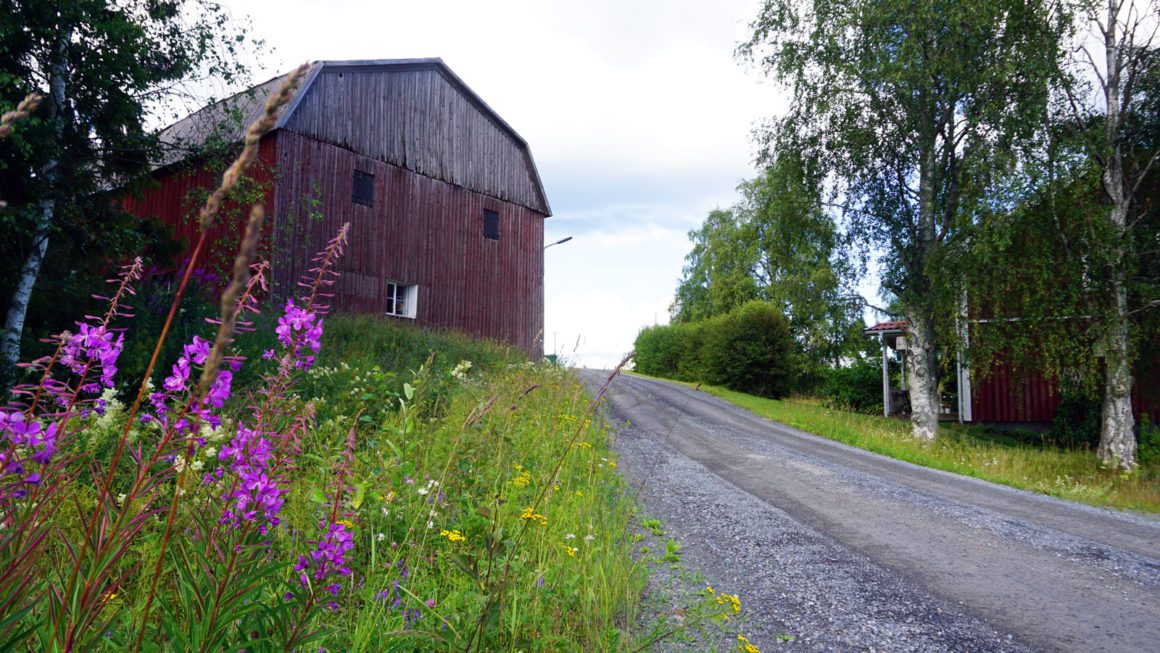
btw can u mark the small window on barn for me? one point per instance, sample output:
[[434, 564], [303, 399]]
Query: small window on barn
[[364, 188], [402, 299], [490, 224]]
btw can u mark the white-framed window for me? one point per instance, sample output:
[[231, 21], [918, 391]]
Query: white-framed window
[[402, 299]]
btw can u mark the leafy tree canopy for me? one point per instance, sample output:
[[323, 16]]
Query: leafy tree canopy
[[776, 244]]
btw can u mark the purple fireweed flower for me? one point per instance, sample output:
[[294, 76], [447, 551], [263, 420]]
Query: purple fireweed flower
[[299, 330], [328, 559], [94, 347], [256, 496], [30, 434], [179, 384]]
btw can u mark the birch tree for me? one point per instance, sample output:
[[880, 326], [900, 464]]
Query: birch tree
[[102, 66], [1121, 56], [910, 107]]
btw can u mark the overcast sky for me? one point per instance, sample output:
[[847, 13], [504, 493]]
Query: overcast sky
[[637, 115]]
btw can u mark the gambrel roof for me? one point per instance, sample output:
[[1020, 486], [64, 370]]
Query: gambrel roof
[[413, 113]]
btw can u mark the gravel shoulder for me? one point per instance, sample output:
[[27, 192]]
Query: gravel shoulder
[[846, 550]]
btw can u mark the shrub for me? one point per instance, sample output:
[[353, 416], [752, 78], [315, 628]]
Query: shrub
[[691, 340], [1077, 419], [750, 350], [658, 351], [1148, 453], [857, 387]]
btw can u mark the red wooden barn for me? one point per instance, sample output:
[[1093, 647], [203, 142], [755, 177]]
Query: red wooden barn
[[445, 204]]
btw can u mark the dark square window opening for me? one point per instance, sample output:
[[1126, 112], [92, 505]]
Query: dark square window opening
[[490, 224], [364, 188]]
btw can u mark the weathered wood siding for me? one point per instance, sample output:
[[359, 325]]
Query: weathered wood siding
[[179, 194], [420, 231], [419, 119]]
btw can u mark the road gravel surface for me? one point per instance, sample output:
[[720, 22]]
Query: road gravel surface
[[845, 550]]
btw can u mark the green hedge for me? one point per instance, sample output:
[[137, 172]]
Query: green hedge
[[857, 387], [749, 349]]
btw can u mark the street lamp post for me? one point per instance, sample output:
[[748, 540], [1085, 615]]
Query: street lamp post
[[559, 242]]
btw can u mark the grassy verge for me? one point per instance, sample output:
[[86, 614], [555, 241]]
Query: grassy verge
[[480, 503], [1075, 475], [491, 514]]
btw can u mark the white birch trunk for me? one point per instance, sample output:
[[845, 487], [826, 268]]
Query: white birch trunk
[[30, 270], [18, 305], [922, 367], [1117, 425], [1117, 438], [922, 354]]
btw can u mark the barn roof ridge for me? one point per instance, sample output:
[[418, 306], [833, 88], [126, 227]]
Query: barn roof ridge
[[437, 64]]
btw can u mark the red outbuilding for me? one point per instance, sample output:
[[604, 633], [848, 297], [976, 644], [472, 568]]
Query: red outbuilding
[[1001, 395], [445, 204]]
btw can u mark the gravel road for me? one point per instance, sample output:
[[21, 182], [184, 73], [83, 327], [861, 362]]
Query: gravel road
[[845, 550]]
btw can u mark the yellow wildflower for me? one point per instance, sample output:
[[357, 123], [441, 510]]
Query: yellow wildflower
[[579, 493], [571, 550], [346, 522], [528, 513], [453, 536], [744, 646], [732, 599]]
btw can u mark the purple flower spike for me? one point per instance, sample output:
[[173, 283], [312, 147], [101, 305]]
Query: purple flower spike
[[299, 330], [328, 559]]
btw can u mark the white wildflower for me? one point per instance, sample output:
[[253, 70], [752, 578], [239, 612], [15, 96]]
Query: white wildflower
[[178, 463], [196, 465], [460, 371]]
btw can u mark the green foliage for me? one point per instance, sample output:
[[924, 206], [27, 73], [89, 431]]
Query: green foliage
[[913, 114], [778, 245], [857, 388], [718, 275], [1148, 452], [672, 351], [751, 350], [104, 68], [1077, 419]]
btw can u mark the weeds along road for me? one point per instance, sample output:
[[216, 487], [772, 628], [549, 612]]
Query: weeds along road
[[846, 550]]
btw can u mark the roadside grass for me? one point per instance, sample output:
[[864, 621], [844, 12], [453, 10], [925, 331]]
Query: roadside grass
[[481, 496], [1075, 475], [499, 524]]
